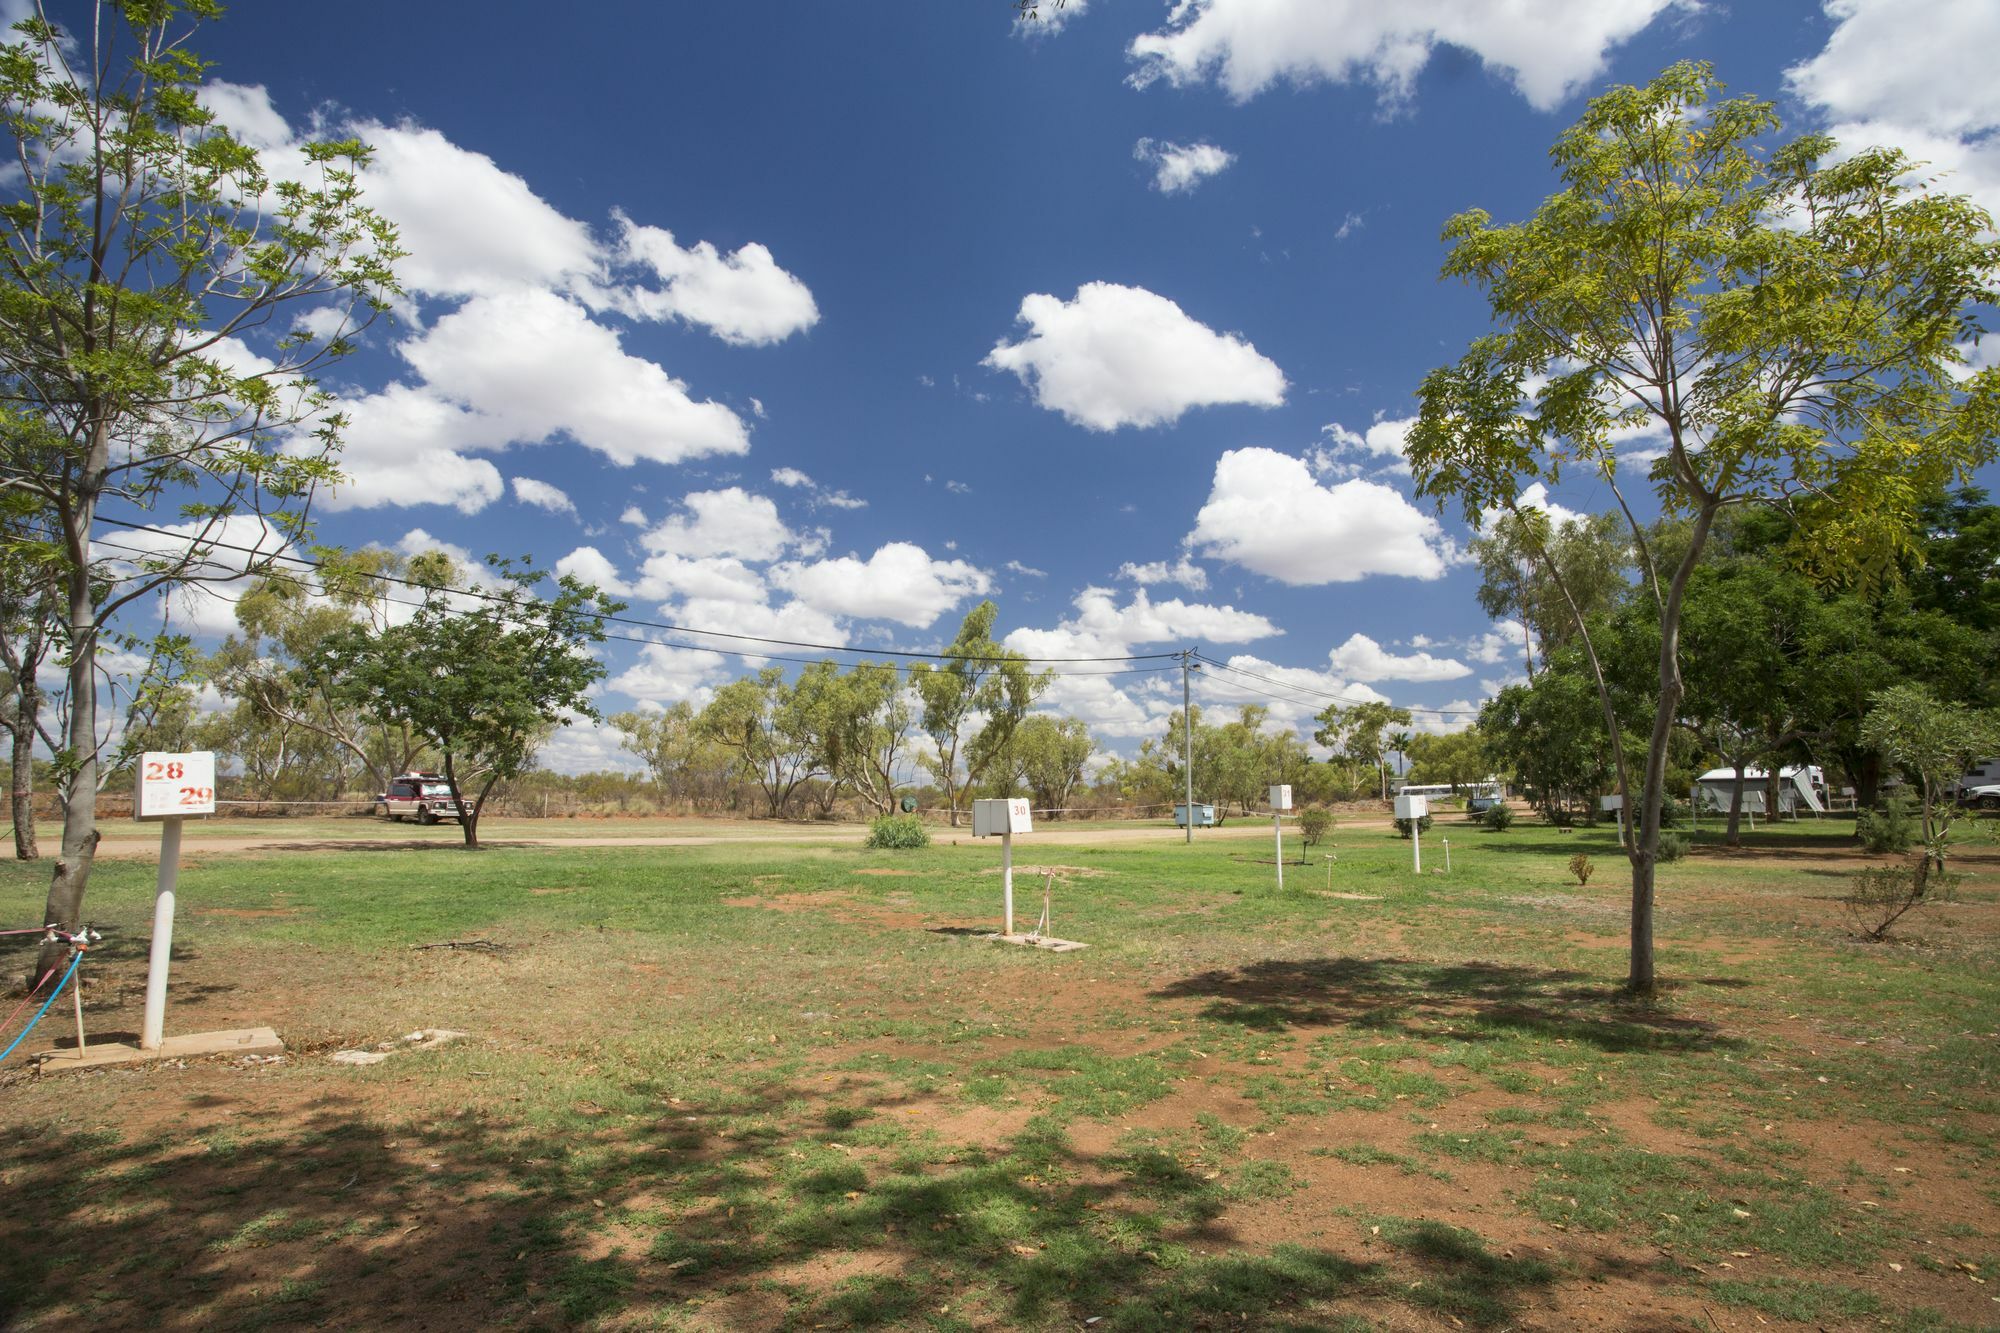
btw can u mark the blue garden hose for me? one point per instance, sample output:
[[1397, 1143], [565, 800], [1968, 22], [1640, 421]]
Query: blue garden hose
[[45, 1006]]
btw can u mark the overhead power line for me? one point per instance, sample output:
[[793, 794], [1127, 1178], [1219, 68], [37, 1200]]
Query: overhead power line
[[643, 641], [1323, 694], [661, 626]]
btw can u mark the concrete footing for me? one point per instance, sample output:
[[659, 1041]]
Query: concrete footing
[[194, 1045], [1050, 943]]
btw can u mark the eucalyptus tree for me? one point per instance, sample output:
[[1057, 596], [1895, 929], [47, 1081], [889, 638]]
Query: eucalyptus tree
[[164, 300], [1361, 732], [288, 711], [762, 722], [972, 700], [484, 675], [1783, 322], [1048, 756]]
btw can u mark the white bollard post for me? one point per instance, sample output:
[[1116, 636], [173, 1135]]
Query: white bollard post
[[1417, 846], [76, 994], [163, 935], [1278, 832], [1007, 881], [1447, 856]]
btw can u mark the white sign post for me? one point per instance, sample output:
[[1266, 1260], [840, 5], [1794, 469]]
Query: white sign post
[[171, 787], [1414, 808], [1006, 818], [1281, 801], [1614, 805]]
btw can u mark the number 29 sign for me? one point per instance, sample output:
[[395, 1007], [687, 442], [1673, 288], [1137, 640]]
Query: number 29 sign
[[173, 785]]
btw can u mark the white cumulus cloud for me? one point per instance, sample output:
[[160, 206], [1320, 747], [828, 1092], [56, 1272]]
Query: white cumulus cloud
[[1122, 356], [1915, 75], [1546, 48], [727, 522], [742, 297], [1183, 571], [1362, 658], [1266, 513], [1178, 168], [542, 495], [900, 582]]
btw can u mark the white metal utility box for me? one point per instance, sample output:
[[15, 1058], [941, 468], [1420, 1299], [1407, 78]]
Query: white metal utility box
[[1610, 804], [1000, 817], [1281, 797], [1412, 807]]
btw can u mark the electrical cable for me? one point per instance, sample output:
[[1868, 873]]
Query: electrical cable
[[194, 543], [1326, 694], [643, 641]]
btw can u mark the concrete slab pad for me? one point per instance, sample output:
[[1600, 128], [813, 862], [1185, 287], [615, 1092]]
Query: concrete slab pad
[[234, 1041], [1048, 942]]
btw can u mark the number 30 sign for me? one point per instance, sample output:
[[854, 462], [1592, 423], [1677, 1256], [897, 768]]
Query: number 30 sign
[[172, 785]]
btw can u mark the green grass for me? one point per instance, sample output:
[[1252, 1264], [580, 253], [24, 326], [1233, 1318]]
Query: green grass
[[747, 1084]]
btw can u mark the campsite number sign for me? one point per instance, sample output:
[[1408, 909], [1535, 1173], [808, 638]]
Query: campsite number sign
[[174, 785]]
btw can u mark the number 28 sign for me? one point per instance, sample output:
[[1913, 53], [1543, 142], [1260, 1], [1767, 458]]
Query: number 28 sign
[[172, 785]]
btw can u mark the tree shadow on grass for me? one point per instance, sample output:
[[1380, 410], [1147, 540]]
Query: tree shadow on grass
[[749, 1209], [1401, 995]]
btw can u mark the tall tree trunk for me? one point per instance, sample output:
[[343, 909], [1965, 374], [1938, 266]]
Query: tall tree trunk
[[79, 836], [21, 788], [1734, 836], [468, 811], [1643, 846]]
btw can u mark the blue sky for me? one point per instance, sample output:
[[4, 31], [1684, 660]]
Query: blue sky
[[824, 321]]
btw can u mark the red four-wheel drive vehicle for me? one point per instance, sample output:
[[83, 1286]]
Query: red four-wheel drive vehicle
[[427, 796]]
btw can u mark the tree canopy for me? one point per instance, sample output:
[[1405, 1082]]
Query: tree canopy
[[1781, 324]]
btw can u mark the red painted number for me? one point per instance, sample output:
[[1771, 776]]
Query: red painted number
[[196, 795]]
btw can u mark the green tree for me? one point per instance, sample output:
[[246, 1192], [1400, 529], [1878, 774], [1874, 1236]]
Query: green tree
[[1934, 743], [972, 701], [759, 719], [1548, 737], [31, 604], [1361, 732], [860, 722], [1048, 756], [665, 741], [293, 725], [1526, 560], [148, 261], [1455, 757], [1785, 325], [482, 677]]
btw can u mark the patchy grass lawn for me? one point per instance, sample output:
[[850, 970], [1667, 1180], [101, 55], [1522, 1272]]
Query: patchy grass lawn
[[776, 1086]]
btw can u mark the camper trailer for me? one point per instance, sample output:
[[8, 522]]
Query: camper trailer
[[1985, 773], [1800, 786]]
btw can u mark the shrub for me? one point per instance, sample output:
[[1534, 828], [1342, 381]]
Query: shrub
[[899, 832], [1497, 818], [1673, 846], [1889, 827], [1314, 821], [1580, 866], [1880, 895], [1423, 823], [1674, 813]]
